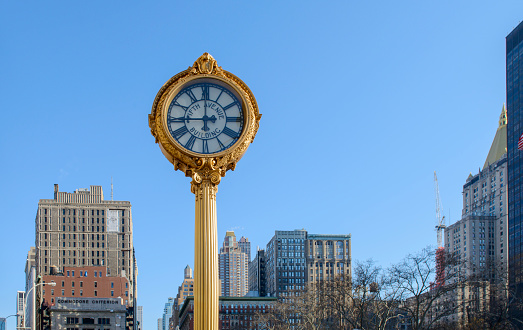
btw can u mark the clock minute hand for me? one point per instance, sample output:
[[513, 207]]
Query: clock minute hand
[[184, 118]]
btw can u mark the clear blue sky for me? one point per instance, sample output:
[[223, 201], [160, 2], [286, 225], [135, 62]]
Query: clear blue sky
[[361, 102]]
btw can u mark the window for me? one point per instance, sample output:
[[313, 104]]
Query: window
[[88, 320], [95, 284], [104, 320], [71, 320]]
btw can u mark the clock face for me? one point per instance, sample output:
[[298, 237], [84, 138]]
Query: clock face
[[205, 118]]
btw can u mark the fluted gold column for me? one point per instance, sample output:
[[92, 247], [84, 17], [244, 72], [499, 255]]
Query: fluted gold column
[[206, 281]]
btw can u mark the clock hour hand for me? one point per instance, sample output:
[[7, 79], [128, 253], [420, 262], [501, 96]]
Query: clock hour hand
[[205, 119]]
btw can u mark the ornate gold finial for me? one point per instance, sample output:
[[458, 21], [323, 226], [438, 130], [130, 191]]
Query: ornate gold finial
[[205, 64], [503, 116]]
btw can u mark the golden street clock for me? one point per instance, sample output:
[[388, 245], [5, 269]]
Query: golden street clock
[[205, 117], [204, 114]]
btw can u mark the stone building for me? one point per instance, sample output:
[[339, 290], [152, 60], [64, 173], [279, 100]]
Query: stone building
[[328, 256], [235, 312], [79, 282], [480, 238], [88, 313], [296, 258], [233, 267], [82, 229]]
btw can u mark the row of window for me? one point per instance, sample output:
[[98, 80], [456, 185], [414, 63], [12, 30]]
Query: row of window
[[82, 293], [87, 320]]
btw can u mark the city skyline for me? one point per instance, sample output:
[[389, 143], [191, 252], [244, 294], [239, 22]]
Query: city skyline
[[409, 88]]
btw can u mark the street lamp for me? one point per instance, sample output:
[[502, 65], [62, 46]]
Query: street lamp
[[5, 320], [52, 283]]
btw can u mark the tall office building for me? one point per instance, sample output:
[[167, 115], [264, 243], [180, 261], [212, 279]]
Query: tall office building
[[514, 62], [233, 267], [20, 301], [257, 278], [139, 318], [186, 289], [82, 229], [480, 238], [163, 323], [294, 259], [245, 246], [285, 266], [30, 277]]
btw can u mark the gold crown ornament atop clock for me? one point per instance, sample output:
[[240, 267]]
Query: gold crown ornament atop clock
[[204, 117]]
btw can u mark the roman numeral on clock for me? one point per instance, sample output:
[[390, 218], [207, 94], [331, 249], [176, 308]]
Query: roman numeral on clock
[[175, 120], [190, 142], [221, 144], [205, 92], [233, 119], [205, 147], [180, 132], [191, 95], [179, 105], [230, 132], [229, 106]]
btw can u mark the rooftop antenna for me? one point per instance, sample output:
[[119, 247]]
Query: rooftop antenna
[[111, 188]]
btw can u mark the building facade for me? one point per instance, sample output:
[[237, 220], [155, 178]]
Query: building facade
[[163, 323], [328, 257], [139, 317], [295, 258], [234, 267], [20, 301], [81, 229], [235, 312], [285, 264], [257, 278], [79, 282], [480, 238], [186, 289], [88, 313], [30, 277], [514, 76], [245, 246]]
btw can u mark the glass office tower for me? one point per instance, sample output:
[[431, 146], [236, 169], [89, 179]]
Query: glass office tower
[[514, 52]]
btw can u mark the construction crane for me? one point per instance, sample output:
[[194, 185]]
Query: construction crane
[[440, 220], [440, 226]]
